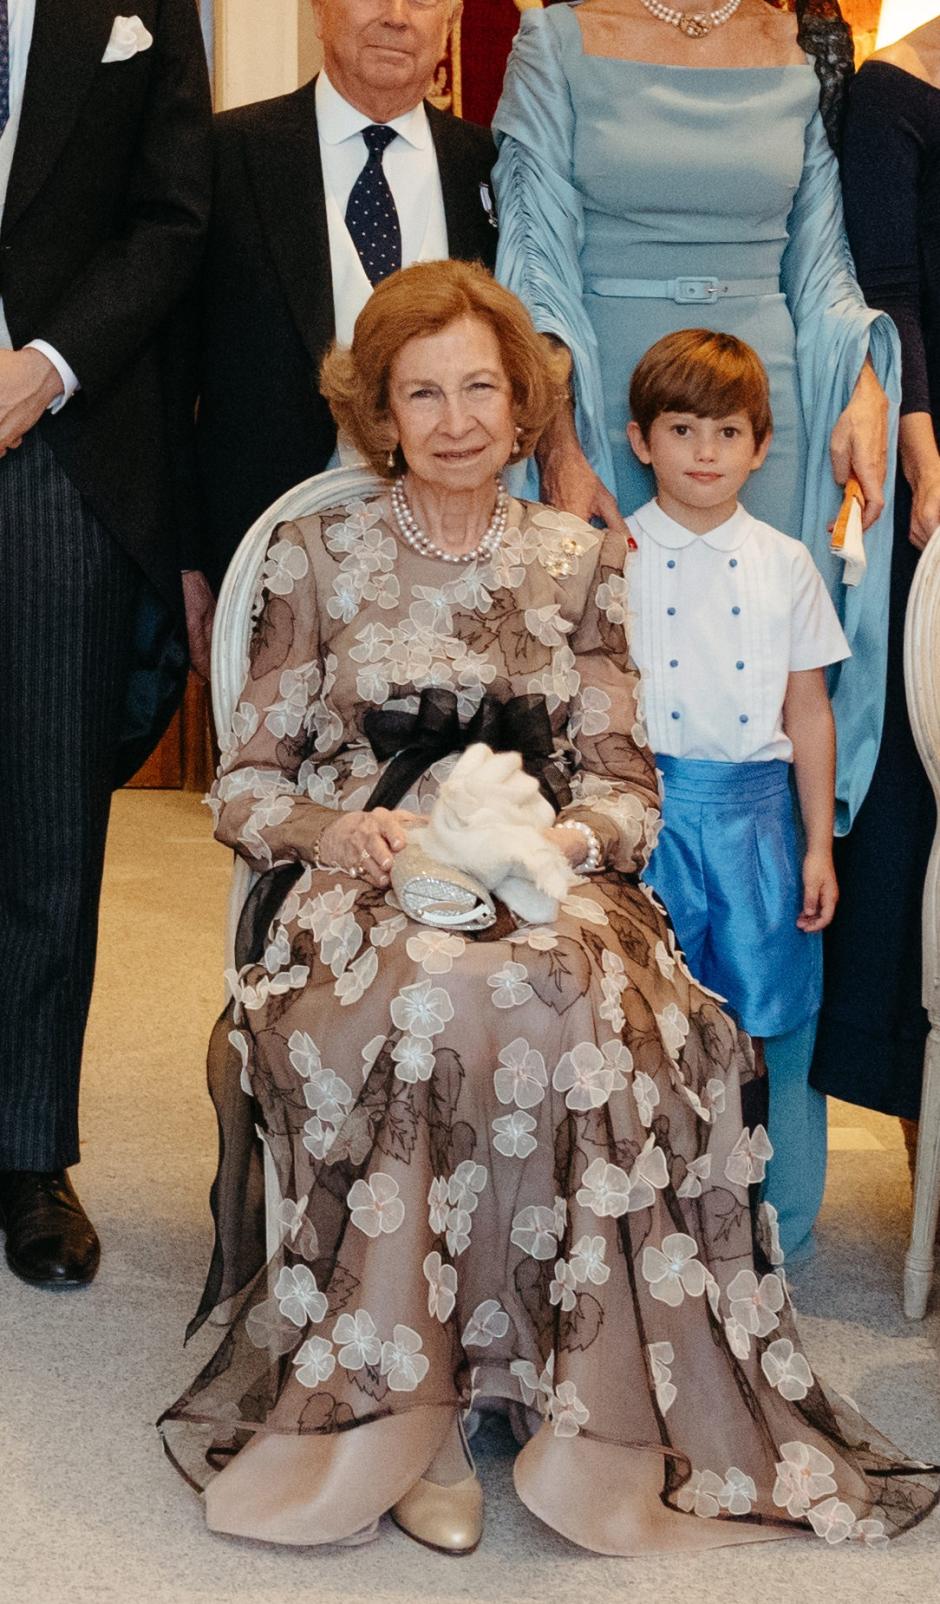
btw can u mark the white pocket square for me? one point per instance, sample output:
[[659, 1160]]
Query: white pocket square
[[127, 37]]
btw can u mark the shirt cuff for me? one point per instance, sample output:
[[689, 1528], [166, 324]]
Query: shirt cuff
[[69, 380]]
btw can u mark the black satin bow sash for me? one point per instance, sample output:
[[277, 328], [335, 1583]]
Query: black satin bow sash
[[414, 741]]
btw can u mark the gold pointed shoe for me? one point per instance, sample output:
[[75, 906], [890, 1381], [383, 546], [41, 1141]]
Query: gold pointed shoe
[[448, 1519]]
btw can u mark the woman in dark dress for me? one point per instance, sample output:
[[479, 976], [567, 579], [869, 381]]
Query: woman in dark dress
[[873, 1027]]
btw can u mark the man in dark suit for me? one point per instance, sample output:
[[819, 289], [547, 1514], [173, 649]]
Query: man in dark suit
[[105, 171], [304, 186]]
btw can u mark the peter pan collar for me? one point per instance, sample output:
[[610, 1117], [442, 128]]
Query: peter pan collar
[[337, 120], [657, 525]]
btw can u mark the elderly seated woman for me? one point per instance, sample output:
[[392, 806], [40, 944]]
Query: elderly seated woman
[[512, 1162]]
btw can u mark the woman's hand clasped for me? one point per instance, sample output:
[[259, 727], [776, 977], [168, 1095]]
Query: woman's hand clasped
[[859, 443], [363, 845]]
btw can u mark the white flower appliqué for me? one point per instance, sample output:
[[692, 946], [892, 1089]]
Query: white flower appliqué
[[403, 1363], [533, 1230], [522, 1077], [786, 1370], [673, 1269], [442, 1287], [298, 1297], [661, 1357], [510, 986], [587, 1260], [315, 1362], [589, 1074], [375, 1205], [513, 1135], [747, 1161], [357, 1339], [803, 1474], [756, 1304], [486, 1325]]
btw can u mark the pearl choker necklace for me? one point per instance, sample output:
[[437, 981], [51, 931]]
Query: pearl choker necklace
[[694, 24], [415, 537]]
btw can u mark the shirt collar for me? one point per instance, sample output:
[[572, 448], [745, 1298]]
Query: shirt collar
[[337, 120], [659, 527]]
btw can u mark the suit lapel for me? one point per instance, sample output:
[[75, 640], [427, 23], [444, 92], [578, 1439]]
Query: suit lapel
[[287, 180], [67, 46], [463, 203]]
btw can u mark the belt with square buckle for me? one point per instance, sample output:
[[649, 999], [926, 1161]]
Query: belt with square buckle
[[688, 290]]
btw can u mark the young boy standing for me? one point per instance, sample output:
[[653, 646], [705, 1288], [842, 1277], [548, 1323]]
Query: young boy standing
[[733, 629]]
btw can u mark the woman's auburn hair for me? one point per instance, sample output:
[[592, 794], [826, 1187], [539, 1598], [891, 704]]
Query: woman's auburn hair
[[423, 300]]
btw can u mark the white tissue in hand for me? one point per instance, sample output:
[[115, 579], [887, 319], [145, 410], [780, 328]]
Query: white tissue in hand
[[489, 819], [853, 548]]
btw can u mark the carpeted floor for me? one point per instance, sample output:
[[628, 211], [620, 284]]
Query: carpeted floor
[[90, 1513]]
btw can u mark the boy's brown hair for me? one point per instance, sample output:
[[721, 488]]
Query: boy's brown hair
[[710, 375]]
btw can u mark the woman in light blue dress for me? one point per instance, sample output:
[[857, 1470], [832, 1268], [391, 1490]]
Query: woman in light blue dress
[[649, 181]]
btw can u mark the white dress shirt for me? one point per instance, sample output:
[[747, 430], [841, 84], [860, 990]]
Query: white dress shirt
[[718, 623], [410, 165], [21, 15]]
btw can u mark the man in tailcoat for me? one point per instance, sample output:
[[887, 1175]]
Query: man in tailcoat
[[105, 171], [306, 186]]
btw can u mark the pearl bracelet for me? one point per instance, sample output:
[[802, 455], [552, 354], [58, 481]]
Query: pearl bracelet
[[591, 861]]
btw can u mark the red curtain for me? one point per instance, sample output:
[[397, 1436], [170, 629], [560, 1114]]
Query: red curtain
[[487, 29]]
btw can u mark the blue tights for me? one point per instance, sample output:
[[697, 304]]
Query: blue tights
[[796, 1175]]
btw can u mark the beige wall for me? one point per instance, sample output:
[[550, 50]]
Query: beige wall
[[262, 48]]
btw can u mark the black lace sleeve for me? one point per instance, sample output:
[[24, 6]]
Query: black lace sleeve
[[824, 34]]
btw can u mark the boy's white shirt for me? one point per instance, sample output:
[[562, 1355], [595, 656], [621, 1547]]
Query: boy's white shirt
[[718, 622]]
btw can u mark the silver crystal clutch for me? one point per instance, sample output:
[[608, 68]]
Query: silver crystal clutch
[[436, 894]]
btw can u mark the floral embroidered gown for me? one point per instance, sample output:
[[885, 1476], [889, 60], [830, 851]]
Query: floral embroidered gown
[[510, 1168]]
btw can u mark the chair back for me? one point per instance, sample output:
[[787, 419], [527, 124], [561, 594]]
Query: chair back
[[231, 634], [922, 686]]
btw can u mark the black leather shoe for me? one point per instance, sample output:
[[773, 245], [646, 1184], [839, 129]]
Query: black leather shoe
[[50, 1240]]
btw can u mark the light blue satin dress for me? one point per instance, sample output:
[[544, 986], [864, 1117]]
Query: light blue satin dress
[[613, 170]]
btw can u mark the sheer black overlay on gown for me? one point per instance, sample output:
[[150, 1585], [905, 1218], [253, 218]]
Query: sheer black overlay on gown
[[510, 1168]]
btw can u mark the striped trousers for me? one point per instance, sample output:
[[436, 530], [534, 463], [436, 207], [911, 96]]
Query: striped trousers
[[67, 593]]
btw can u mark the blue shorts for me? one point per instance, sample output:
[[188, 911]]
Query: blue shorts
[[727, 867]]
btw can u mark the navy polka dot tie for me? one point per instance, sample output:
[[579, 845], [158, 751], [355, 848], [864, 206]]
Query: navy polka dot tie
[[4, 65], [371, 214]]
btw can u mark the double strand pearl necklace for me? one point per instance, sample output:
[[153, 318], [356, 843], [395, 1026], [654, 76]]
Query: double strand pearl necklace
[[414, 536], [695, 24]]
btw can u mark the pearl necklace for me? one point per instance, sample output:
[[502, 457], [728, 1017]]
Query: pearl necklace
[[413, 535], [694, 24]]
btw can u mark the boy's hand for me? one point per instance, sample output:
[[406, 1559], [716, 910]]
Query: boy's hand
[[820, 891]]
